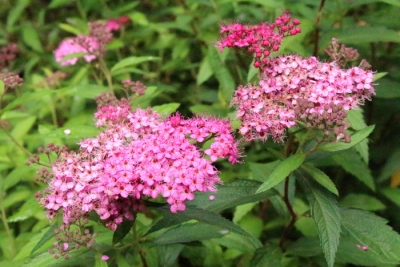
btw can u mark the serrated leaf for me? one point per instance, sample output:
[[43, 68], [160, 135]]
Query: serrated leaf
[[305, 247], [352, 163], [225, 79], [261, 171], [49, 234], [230, 194], [269, 256], [239, 242], [80, 257], [371, 231], [362, 201], [190, 232], [74, 55], [131, 61], [166, 109], [122, 230], [325, 213], [321, 178], [355, 139], [282, 170]]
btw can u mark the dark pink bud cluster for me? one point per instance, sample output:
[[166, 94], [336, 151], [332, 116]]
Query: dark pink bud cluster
[[137, 155], [115, 24], [93, 45], [342, 55], [295, 89], [135, 87], [11, 80], [260, 39]]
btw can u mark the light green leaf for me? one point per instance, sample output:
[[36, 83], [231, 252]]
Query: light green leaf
[[362, 201], [87, 90], [205, 71], [387, 88], [2, 88], [48, 235], [393, 194], [31, 38], [326, 215], [80, 257], [351, 162], [27, 97], [98, 261], [366, 229], [123, 229], [27, 210], [321, 178], [168, 254], [242, 210], [355, 139], [74, 55], [225, 79], [23, 127], [69, 28], [58, 3], [281, 171], [237, 241], [379, 75], [130, 61], [231, 194], [190, 232], [121, 261], [15, 13], [261, 171], [18, 173], [166, 109]]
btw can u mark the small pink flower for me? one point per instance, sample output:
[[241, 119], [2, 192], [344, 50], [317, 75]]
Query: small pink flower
[[105, 258], [211, 197]]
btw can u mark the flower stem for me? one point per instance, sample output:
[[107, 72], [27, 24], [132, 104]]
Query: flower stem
[[291, 211]]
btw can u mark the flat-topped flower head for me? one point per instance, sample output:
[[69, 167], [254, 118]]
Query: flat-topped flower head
[[138, 155]]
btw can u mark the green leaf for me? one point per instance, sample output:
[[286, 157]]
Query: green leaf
[[205, 71], [269, 256], [239, 242], [26, 98], [87, 90], [325, 213], [122, 230], [355, 139], [321, 178], [27, 210], [190, 232], [282, 170], [379, 75], [393, 194], [16, 175], [230, 194], [2, 88], [58, 3], [99, 262], [130, 61], [305, 247], [366, 229], [352, 163], [121, 261], [80, 257], [16, 12], [74, 55], [388, 88], [225, 79], [168, 254], [166, 109], [23, 127], [362, 201], [261, 171], [69, 28], [391, 166], [31, 38], [48, 235]]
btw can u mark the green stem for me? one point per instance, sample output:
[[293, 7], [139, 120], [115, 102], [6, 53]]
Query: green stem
[[316, 32], [5, 223], [80, 10], [106, 72]]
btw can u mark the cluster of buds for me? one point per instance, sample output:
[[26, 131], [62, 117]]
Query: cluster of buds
[[138, 155], [92, 45], [342, 55], [10, 80], [135, 87], [260, 39], [115, 24], [7, 54]]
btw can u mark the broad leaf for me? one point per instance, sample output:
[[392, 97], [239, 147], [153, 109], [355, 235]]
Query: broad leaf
[[131, 61], [393, 194], [205, 71], [166, 109], [269, 256], [362, 201], [305, 247], [122, 230], [168, 254], [281, 171], [325, 213]]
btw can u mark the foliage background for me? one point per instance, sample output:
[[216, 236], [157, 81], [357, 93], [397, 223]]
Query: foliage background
[[186, 69]]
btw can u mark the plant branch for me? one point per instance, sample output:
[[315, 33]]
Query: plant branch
[[316, 32], [291, 211]]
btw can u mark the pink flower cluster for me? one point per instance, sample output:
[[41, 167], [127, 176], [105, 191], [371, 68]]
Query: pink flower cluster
[[93, 45], [260, 39], [115, 24], [138, 155], [295, 89], [79, 44]]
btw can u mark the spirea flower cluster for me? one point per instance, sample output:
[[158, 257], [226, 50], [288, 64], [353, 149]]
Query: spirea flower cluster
[[295, 89], [260, 39], [93, 45], [137, 155]]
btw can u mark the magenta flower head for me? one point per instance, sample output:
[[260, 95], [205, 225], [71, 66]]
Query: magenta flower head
[[260, 39], [80, 44], [137, 156]]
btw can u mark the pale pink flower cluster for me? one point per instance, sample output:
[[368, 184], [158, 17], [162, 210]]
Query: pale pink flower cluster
[[79, 44], [260, 39], [295, 89], [137, 155]]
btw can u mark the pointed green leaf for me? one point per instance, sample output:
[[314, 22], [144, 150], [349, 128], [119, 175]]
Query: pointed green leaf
[[27, 210], [321, 178], [80, 257], [351, 162], [122, 230], [31, 38], [74, 55], [362, 201], [261, 171], [355, 139], [393, 194], [269, 256], [325, 213], [87, 90], [2, 88], [49, 234], [166, 109], [190, 232], [168, 254], [281, 171], [231, 194], [130, 61], [205, 71]]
